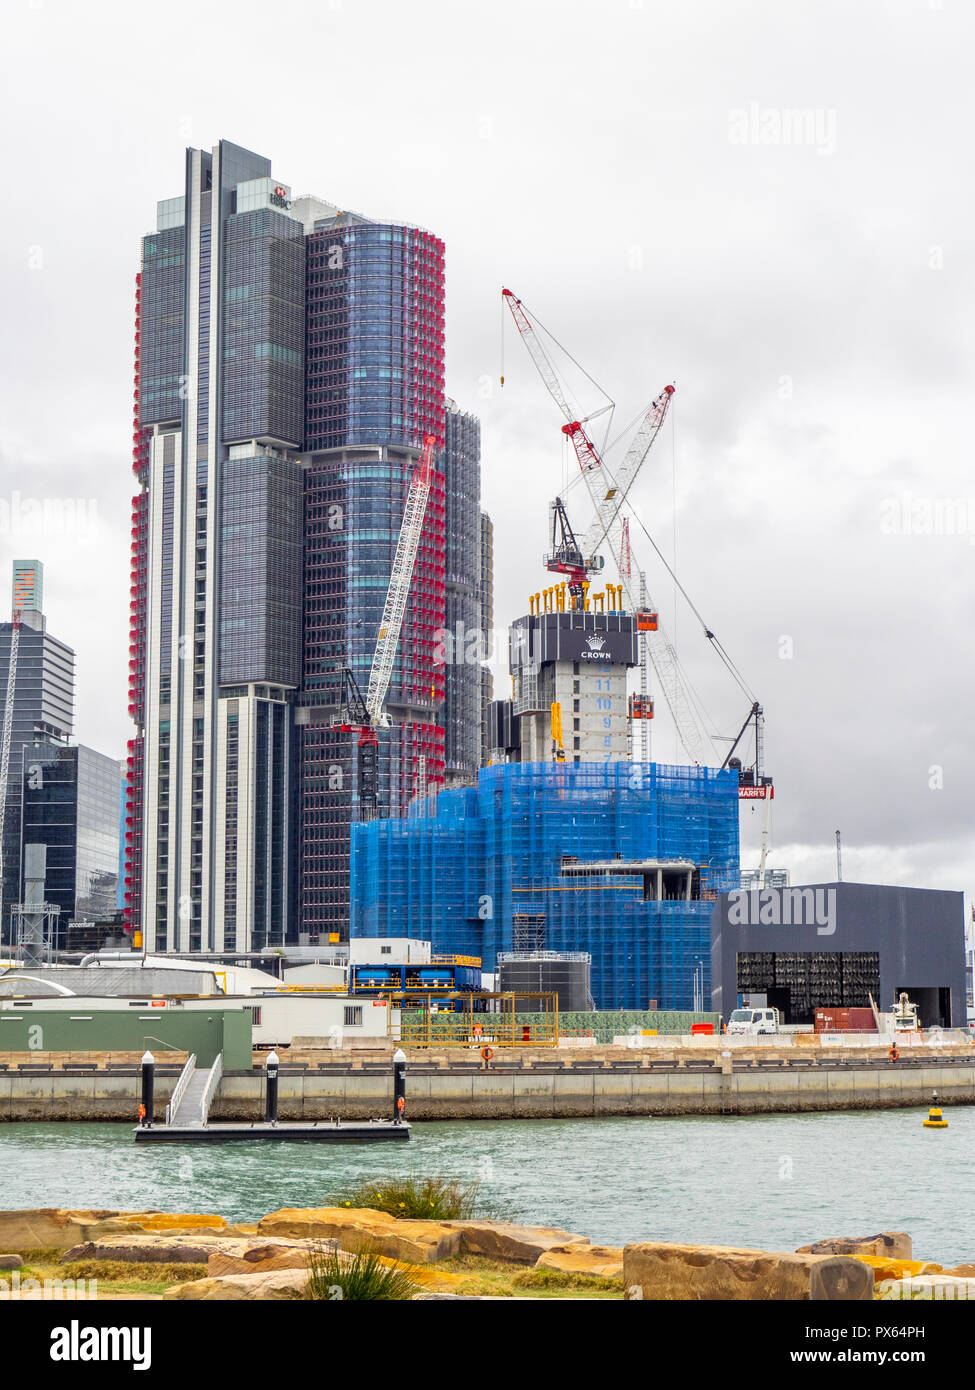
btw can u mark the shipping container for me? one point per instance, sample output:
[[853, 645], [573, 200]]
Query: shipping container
[[845, 1020]]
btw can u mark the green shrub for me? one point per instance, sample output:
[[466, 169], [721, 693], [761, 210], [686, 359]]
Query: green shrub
[[360, 1277], [413, 1196]]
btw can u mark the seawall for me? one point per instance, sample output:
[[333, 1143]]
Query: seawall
[[546, 1089]]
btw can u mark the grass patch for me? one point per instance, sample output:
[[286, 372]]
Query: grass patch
[[145, 1278], [481, 1275], [564, 1279], [141, 1272], [359, 1277], [44, 1255], [416, 1197]]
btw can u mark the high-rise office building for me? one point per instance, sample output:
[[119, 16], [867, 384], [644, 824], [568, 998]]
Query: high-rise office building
[[42, 707], [487, 627], [70, 805], [289, 363], [463, 644]]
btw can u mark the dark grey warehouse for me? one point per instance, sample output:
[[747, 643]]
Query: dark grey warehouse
[[834, 944]]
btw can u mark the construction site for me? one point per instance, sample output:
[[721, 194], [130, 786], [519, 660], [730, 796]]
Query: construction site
[[572, 842]]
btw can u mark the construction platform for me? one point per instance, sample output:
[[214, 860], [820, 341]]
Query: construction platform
[[327, 1132]]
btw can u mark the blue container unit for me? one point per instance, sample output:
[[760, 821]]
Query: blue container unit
[[484, 869], [436, 979]]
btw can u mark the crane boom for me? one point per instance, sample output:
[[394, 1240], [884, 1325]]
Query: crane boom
[[586, 452], [607, 524], [400, 580]]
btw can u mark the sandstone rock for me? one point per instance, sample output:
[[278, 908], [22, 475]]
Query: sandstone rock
[[884, 1268], [606, 1260], [260, 1258], [894, 1244], [46, 1226], [143, 1249], [663, 1270], [278, 1284], [164, 1223], [840, 1278], [11, 1261], [503, 1240], [361, 1228]]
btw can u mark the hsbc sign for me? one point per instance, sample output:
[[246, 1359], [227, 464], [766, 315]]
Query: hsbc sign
[[279, 196]]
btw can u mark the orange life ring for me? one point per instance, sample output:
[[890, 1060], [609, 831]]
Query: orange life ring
[[894, 1053], [400, 1104], [487, 1053], [142, 1112]]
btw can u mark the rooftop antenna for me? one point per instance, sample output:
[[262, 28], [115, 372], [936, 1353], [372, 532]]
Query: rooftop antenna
[[839, 859]]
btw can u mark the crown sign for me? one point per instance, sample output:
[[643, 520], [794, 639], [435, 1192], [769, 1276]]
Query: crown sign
[[595, 644]]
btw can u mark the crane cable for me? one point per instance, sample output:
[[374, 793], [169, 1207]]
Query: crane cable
[[718, 646]]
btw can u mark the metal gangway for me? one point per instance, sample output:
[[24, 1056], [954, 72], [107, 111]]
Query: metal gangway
[[193, 1093]]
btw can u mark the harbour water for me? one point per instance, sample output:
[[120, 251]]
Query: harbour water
[[771, 1181]]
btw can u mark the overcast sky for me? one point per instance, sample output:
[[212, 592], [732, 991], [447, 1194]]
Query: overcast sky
[[769, 204]]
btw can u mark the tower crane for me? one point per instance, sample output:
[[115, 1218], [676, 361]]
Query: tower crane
[[5, 738], [580, 559], [608, 497], [366, 717]]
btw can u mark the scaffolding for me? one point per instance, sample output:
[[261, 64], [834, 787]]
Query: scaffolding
[[477, 1020], [501, 866]]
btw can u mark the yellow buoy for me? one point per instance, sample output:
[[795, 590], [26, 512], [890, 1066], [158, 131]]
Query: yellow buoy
[[935, 1120]]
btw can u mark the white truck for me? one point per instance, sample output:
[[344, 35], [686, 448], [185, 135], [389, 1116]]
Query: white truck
[[753, 1021]]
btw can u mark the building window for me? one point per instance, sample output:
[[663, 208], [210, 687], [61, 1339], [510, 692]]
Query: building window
[[386, 950], [352, 1016]]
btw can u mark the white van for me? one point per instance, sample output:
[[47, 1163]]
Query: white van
[[754, 1021]]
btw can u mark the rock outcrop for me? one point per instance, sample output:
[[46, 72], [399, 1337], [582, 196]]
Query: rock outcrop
[[665, 1270], [40, 1227], [605, 1260], [362, 1228], [895, 1245], [504, 1240], [276, 1285]]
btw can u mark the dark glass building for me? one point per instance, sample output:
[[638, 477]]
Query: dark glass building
[[70, 805], [289, 364], [43, 707]]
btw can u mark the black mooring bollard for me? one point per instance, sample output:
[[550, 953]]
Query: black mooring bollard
[[271, 1109], [148, 1087], [399, 1085]]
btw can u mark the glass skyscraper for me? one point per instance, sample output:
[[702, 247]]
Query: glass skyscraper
[[43, 707], [70, 805], [289, 362]]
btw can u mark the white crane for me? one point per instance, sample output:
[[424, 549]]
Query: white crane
[[608, 497], [400, 579], [366, 716]]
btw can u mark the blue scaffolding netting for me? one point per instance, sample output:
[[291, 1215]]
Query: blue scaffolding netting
[[492, 867]]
